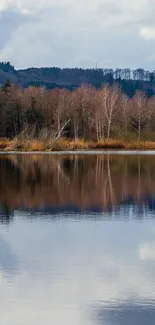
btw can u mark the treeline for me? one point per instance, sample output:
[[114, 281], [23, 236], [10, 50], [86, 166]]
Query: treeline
[[128, 80], [85, 113]]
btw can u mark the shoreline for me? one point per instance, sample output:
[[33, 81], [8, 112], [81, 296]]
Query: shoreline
[[78, 146], [81, 152]]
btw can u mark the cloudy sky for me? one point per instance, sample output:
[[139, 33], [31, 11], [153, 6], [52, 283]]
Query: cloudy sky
[[72, 33]]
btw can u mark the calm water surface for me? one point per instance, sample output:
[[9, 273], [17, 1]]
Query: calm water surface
[[77, 240]]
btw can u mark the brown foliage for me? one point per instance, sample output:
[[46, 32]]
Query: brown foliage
[[86, 113]]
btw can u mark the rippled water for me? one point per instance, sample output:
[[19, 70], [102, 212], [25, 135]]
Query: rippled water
[[77, 240]]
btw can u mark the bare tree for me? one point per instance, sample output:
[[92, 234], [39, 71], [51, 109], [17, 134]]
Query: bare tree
[[99, 116], [75, 114], [109, 101], [139, 112], [125, 112]]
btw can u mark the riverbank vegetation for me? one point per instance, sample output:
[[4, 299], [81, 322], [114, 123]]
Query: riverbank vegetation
[[36, 119]]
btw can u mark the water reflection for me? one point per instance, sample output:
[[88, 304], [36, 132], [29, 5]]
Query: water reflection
[[52, 185], [127, 314], [78, 273], [59, 262]]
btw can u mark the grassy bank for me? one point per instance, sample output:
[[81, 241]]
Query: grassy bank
[[72, 145]]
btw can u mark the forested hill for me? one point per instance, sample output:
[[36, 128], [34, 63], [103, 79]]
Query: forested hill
[[129, 80]]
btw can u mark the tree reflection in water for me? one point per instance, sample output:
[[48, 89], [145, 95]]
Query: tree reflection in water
[[97, 183]]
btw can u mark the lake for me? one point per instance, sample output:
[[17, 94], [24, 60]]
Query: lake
[[77, 239]]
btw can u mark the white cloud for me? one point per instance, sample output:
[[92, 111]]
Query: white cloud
[[147, 251], [148, 32], [68, 31], [13, 4]]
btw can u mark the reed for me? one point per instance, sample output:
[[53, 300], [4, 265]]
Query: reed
[[63, 144], [37, 145]]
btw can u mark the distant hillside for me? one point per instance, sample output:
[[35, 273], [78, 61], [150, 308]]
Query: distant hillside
[[129, 80]]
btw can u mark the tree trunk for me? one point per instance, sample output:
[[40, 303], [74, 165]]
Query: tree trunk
[[108, 132]]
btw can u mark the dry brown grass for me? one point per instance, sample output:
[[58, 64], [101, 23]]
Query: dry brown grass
[[4, 143], [36, 145], [60, 144], [21, 145], [18, 144], [128, 145], [142, 145], [78, 144], [110, 144], [66, 144]]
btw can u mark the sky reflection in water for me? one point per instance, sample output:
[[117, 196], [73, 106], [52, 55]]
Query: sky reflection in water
[[77, 240]]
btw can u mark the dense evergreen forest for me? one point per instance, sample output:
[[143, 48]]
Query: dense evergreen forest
[[128, 80]]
